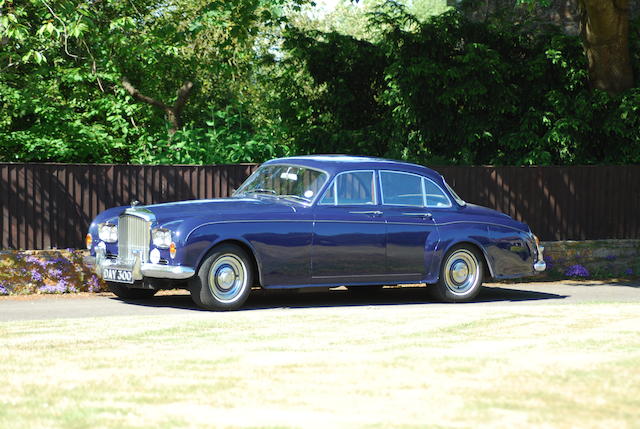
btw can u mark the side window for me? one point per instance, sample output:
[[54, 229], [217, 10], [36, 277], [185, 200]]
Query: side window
[[435, 195], [400, 189], [353, 188]]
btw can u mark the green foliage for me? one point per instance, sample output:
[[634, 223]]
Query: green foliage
[[453, 91], [386, 78], [63, 61], [227, 138]]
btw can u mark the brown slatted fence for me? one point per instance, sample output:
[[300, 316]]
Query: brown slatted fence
[[45, 206]]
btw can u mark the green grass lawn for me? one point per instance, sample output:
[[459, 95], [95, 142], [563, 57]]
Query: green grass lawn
[[390, 365]]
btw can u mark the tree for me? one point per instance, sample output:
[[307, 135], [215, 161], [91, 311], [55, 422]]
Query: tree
[[604, 30], [605, 35]]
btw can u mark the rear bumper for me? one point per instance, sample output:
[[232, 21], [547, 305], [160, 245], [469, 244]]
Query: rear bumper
[[140, 270], [540, 264]]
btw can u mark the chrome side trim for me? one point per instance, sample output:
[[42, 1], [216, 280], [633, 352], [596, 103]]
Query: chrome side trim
[[366, 275], [472, 222]]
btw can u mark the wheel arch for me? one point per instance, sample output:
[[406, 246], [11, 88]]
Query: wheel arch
[[488, 268], [241, 244]]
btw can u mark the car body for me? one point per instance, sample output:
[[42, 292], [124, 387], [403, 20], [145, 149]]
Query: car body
[[323, 220]]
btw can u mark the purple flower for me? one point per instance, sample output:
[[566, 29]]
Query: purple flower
[[610, 257], [3, 290], [36, 276], [576, 271], [55, 273], [32, 259], [52, 288], [629, 271], [44, 263], [94, 284], [549, 261]]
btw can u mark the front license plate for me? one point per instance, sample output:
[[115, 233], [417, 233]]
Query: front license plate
[[117, 275]]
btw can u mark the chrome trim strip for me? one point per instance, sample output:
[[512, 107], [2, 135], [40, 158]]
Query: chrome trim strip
[[345, 221], [366, 275]]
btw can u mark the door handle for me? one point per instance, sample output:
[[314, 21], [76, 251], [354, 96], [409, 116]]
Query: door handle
[[423, 215], [369, 212]]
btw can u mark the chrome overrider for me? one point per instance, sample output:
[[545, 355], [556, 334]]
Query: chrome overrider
[[140, 270], [540, 264]]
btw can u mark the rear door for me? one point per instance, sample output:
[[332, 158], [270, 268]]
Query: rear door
[[411, 232]]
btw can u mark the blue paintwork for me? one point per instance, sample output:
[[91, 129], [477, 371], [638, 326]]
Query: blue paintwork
[[298, 245]]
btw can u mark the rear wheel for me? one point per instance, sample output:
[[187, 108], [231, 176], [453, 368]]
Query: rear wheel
[[128, 292], [461, 275], [224, 279]]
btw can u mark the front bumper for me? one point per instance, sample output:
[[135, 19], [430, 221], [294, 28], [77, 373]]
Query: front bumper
[[140, 270]]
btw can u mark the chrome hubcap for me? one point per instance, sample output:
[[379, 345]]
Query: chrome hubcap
[[227, 278], [461, 272]]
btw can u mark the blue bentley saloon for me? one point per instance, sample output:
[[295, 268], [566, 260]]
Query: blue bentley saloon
[[313, 221]]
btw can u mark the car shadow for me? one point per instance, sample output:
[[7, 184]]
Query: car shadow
[[271, 299]]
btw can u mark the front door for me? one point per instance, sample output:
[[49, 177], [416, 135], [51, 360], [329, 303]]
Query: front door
[[349, 234]]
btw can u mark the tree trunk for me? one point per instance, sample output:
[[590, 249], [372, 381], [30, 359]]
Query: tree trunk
[[605, 34]]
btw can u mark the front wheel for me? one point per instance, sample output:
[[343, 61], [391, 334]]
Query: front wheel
[[461, 275], [224, 279], [128, 292]]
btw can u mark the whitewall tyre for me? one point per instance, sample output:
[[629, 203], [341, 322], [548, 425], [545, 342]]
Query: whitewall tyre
[[224, 279], [461, 274]]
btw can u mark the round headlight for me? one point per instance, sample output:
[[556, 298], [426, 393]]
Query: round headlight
[[108, 232], [161, 237]]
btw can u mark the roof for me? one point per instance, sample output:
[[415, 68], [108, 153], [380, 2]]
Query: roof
[[336, 163]]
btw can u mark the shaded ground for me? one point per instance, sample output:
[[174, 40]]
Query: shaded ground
[[177, 302]]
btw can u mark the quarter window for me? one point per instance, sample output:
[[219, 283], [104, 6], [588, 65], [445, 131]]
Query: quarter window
[[435, 196], [400, 189], [352, 188]]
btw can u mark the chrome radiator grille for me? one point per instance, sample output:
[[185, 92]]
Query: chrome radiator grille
[[133, 237]]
